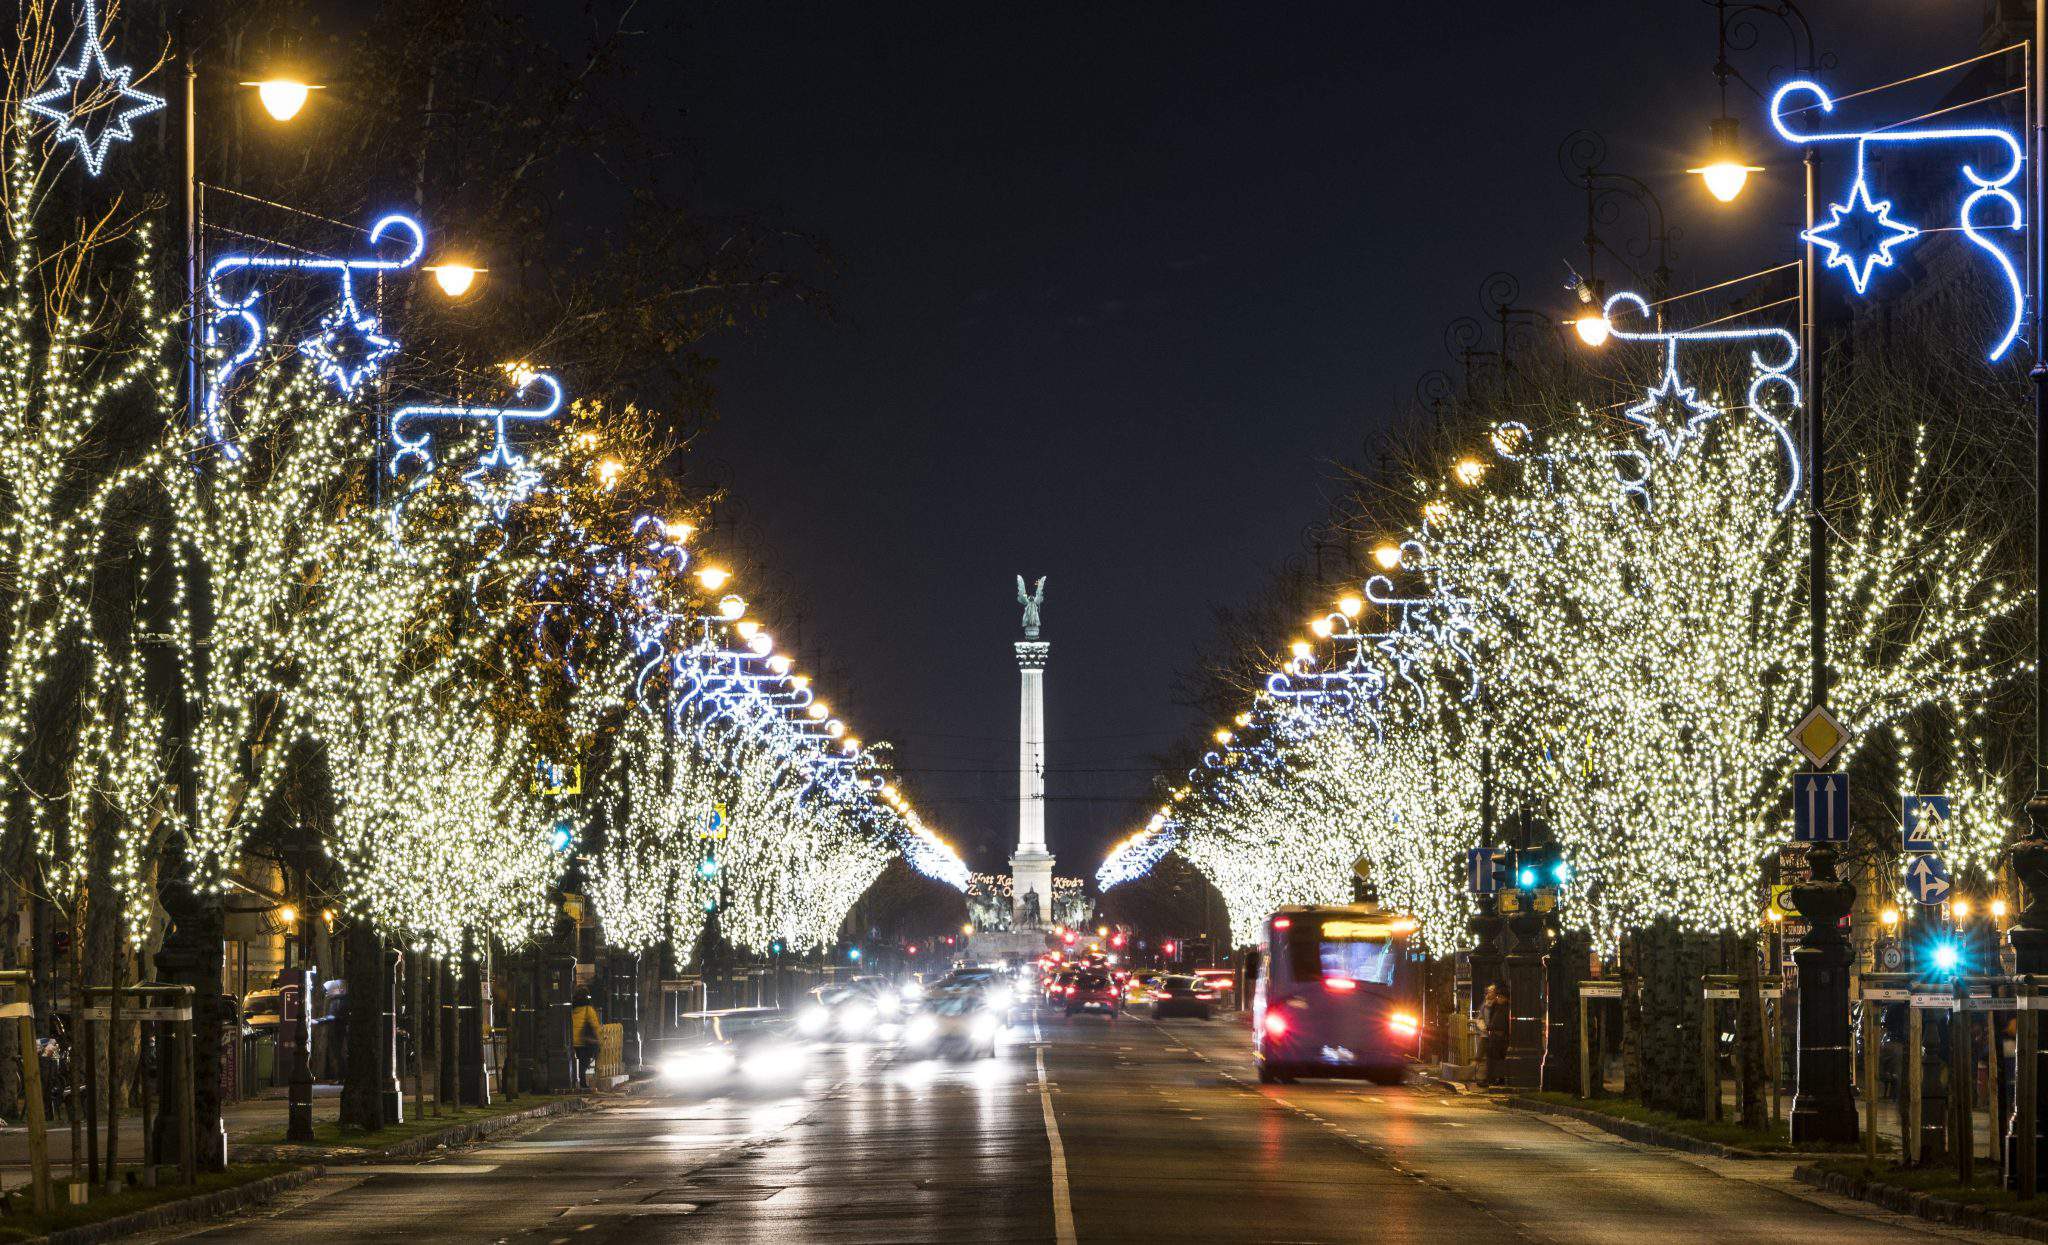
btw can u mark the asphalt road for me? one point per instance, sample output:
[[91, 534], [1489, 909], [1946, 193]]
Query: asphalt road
[[1079, 1129]]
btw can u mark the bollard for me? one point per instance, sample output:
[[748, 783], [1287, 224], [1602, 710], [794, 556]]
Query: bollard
[[1909, 1106], [1873, 1037], [2026, 1071], [1961, 1083]]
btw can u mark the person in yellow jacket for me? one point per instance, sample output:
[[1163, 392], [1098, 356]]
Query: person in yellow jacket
[[583, 1035]]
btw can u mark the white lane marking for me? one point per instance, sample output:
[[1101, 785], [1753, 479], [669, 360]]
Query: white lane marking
[[421, 1169], [1062, 1196]]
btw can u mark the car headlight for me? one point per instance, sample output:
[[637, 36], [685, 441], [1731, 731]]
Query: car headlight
[[920, 1030], [912, 990], [985, 1028], [813, 1020], [773, 1061], [856, 1018], [999, 996], [698, 1065]]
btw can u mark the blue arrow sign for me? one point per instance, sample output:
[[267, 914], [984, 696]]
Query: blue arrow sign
[[1925, 817], [1486, 870], [1820, 808], [1927, 879]]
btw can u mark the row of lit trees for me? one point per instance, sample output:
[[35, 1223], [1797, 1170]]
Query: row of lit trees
[[394, 669]]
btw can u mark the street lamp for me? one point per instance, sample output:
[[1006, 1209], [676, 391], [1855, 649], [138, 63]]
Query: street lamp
[[1725, 171], [455, 279], [1582, 157], [282, 98]]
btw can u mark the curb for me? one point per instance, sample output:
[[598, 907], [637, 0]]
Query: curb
[[453, 1135], [186, 1210], [1650, 1134], [1923, 1205]]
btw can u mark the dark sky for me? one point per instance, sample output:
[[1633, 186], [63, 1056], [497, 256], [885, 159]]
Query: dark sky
[[1118, 283]]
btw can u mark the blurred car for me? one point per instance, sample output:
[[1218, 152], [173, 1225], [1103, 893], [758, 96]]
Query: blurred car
[[1142, 987], [1183, 996], [993, 986], [1056, 986], [1092, 988], [1222, 980], [841, 1012], [885, 994], [751, 1047], [958, 1025]]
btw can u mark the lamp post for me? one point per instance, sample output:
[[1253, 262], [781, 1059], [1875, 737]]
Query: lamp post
[[2029, 854], [1582, 157], [1823, 1108]]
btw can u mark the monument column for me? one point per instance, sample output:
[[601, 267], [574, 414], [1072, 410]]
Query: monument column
[[1031, 865]]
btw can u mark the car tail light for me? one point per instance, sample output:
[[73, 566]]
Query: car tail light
[[1404, 1024], [1204, 994], [1281, 922], [1070, 989], [1339, 985], [1276, 1023]]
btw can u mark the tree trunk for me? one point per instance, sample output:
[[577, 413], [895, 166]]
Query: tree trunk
[[1671, 964], [1749, 1034], [362, 1103]]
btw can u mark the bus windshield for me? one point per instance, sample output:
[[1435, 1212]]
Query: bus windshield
[[1338, 947]]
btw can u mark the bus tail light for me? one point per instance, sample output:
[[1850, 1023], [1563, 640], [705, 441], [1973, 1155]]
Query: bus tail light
[[1404, 1024], [1339, 985], [1276, 1024]]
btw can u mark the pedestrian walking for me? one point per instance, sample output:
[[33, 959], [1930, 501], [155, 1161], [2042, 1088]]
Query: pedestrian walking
[[1493, 1018], [584, 1024]]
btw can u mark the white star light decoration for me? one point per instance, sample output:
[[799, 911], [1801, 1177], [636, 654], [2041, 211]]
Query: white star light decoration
[[348, 346], [1860, 235], [97, 77], [1671, 415]]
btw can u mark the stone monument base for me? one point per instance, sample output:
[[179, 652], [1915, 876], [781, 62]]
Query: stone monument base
[[994, 946]]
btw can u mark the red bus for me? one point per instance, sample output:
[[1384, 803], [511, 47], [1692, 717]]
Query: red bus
[[1335, 995]]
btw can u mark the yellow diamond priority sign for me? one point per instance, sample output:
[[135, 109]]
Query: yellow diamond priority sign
[[1818, 736]]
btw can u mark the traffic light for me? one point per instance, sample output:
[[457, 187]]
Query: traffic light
[[1168, 947], [563, 837], [1539, 867]]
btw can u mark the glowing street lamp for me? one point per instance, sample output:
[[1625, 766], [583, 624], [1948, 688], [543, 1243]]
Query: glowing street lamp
[[282, 98], [1725, 171], [455, 279], [713, 577], [1388, 556]]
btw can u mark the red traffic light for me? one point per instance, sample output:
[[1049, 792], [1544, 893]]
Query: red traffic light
[[1168, 946], [1068, 937], [1117, 941]]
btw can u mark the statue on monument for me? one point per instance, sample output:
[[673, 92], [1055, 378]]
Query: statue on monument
[[1031, 602], [1031, 915]]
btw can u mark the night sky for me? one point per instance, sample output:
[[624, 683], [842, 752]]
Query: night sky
[[1116, 285]]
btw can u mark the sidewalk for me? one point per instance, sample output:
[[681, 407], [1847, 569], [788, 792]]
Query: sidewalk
[[253, 1121]]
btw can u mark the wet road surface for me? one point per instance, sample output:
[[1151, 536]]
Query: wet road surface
[[1078, 1130]]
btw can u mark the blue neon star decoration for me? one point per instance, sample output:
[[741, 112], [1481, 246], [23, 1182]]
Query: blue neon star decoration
[[348, 348], [100, 85], [1860, 235], [501, 480]]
